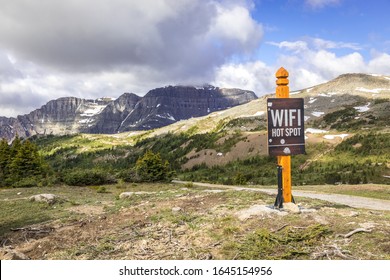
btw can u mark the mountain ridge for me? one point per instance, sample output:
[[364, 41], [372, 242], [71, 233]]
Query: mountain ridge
[[159, 107]]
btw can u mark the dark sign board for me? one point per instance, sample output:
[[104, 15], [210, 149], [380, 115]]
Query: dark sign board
[[286, 133]]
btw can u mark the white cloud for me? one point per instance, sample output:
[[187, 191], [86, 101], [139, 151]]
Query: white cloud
[[236, 24], [326, 44], [256, 76], [315, 43], [309, 63], [380, 64], [304, 78], [297, 46], [91, 35], [318, 4], [94, 48], [329, 65], [316, 63]]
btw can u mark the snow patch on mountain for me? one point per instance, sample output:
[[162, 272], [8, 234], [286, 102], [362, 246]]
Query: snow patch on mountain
[[317, 114], [315, 131], [93, 110], [362, 109], [375, 90], [332, 137]]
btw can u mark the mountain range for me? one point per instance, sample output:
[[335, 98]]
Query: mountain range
[[159, 107]]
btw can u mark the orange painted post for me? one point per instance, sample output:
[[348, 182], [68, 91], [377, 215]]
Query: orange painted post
[[283, 91]]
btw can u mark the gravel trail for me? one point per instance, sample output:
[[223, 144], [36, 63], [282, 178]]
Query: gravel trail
[[349, 200]]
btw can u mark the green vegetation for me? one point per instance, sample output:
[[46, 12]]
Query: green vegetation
[[343, 120], [83, 160], [21, 165], [339, 119], [255, 170], [287, 244], [87, 178], [350, 119], [151, 168], [374, 145], [20, 213], [247, 124], [369, 190], [361, 159], [78, 160]]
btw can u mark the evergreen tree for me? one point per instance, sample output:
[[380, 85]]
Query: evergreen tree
[[151, 168], [27, 162], [15, 147], [5, 153]]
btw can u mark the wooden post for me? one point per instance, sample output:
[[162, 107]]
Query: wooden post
[[283, 91]]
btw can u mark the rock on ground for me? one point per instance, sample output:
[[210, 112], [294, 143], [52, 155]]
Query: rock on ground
[[126, 195], [291, 207], [176, 209], [258, 210], [45, 197]]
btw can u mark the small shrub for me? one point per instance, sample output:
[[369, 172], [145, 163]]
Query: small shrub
[[332, 178], [129, 176], [189, 185], [28, 182], [239, 179], [101, 189], [88, 178], [286, 244], [151, 168]]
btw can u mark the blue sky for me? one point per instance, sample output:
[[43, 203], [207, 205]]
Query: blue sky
[[363, 23], [316, 40], [95, 48]]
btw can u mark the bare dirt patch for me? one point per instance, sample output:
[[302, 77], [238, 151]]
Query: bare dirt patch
[[253, 143], [87, 209]]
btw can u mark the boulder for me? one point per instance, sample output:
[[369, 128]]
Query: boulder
[[291, 207], [126, 195], [176, 209], [258, 210], [45, 197]]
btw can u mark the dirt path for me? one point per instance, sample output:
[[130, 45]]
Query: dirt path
[[349, 200]]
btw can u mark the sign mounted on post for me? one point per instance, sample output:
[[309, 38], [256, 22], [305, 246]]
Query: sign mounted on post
[[286, 133]]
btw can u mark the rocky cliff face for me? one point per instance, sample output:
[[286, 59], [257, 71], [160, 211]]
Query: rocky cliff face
[[62, 116], [164, 106], [110, 120], [159, 107]]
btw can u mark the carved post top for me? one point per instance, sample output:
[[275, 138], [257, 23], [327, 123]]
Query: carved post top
[[282, 89], [282, 75]]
